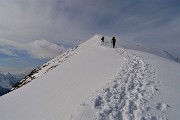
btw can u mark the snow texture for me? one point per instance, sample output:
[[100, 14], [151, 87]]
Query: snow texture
[[97, 82], [128, 95]]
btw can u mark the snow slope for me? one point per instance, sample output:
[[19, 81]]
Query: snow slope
[[95, 81]]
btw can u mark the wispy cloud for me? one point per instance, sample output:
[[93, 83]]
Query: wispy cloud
[[7, 52]]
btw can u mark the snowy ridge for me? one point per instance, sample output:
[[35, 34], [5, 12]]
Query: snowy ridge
[[43, 69], [97, 82]]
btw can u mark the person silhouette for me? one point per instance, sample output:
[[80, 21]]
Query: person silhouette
[[113, 41], [102, 39]]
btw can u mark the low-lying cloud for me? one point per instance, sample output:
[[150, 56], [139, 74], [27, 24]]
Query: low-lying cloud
[[43, 49], [38, 49]]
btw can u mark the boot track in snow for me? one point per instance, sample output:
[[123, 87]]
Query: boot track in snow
[[128, 95]]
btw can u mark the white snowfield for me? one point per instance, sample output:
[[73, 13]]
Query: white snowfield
[[97, 82]]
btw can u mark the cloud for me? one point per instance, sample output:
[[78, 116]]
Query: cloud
[[8, 52], [4, 28], [39, 49], [34, 20], [73, 21], [43, 49], [14, 44]]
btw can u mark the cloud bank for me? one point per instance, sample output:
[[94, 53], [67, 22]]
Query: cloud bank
[[43, 49], [39, 49]]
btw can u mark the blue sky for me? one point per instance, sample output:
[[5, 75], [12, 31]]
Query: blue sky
[[49, 26]]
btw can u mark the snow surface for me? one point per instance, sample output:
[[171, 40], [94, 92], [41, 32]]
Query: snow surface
[[96, 82]]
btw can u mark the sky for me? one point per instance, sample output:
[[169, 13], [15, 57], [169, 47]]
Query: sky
[[34, 31]]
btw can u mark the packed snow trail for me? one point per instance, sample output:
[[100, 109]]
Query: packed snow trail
[[125, 98], [129, 94], [129, 85]]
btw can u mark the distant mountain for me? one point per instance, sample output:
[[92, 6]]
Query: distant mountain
[[8, 80], [3, 91]]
